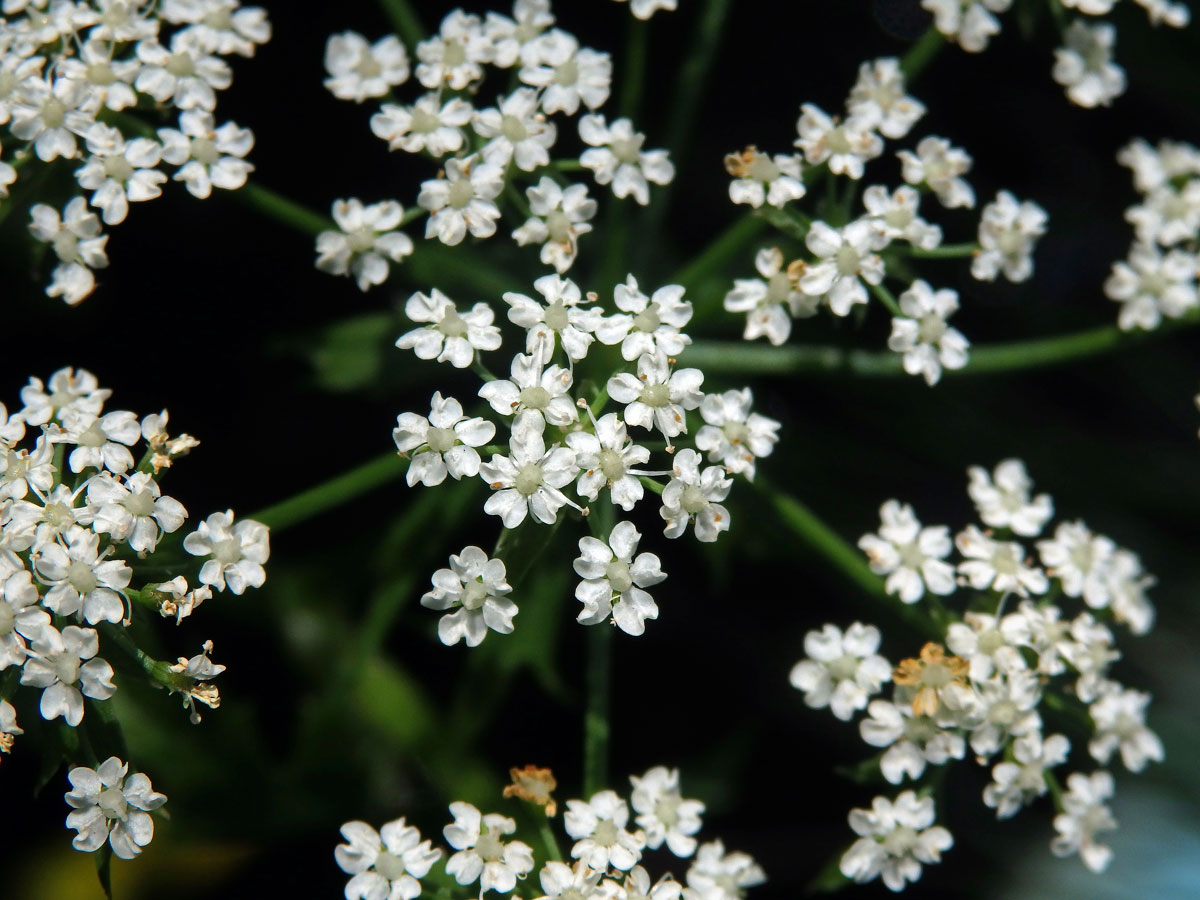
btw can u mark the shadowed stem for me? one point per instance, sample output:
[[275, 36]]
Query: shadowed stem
[[404, 19]]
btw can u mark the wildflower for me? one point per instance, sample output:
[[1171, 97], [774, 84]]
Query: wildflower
[[845, 255], [663, 813], [1007, 233], [558, 217], [534, 785], [119, 172], [530, 479], [482, 855], [514, 40], [1119, 720], [449, 438], [912, 741], [931, 676], [1084, 65], [567, 73], [462, 201], [78, 244], [969, 23], [450, 336], [453, 56], [367, 239], [1019, 782], [939, 165], [598, 827], [606, 459], [717, 875], [542, 390], [81, 581], [21, 619], [657, 397], [911, 556], [895, 838], [517, 131], [733, 435], [842, 671], [616, 156], [562, 316], [1168, 215], [1152, 284], [998, 565], [1003, 501], [878, 98], [845, 146], [613, 580], [770, 304], [237, 552], [384, 863], [358, 70], [695, 495], [428, 126], [647, 324], [1084, 815], [111, 805], [577, 882], [207, 157], [1079, 559], [64, 664], [760, 178], [186, 76], [474, 587], [894, 217], [922, 334]]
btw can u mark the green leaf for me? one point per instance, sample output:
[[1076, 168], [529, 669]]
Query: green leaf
[[391, 701], [349, 355]]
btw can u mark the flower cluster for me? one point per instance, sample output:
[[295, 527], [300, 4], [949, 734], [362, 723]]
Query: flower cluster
[[607, 854], [72, 73], [989, 676], [487, 155], [562, 448], [1158, 279], [82, 519], [845, 261]]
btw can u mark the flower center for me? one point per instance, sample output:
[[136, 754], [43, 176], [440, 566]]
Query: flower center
[[100, 73], [838, 142], [423, 122], [692, 500], [473, 595], [901, 839], [489, 847], [93, 436], [389, 866], [628, 150], [461, 193], [180, 64], [452, 324], [536, 397], [118, 168], [228, 551], [53, 112], [618, 576], [844, 668], [440, 439], [66, 245], [513, 129], [454, 54], [556, 316], [568, 73], [612, 465], [931, 329], [647, 319], [58, 515], [778, 288], [1004, 560], [847, 260], [66, 667], [1003, 713], [990, 641], [936, 675], [656, 395], [736, 432], [112, 801], [368, 66], [605, 834], [7, 619], [360, 240], [762, 169], [559, 226], [219, 20], [204, 151], [529, 479]]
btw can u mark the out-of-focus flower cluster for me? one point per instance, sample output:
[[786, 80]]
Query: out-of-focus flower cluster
[[488, 156], [998, 684], [607, 854], [86, 535], [73, 77]]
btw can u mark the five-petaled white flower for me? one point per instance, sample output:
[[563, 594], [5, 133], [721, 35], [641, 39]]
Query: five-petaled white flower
[[1084, 815], [65, 666], [759, 178], [1003, 501], [605, 459], [842, 670], [647, 324], [562, 316], [616, 156], [845, 146], [482, 854], [658, 397], [939, 165], [878, 98], [474, 588], [428, 126], [535, 387], [1008, 231], [771, 302], [530, 480], [449, 439], [895, 838], [450, 336], [717, 875], [238, 551], [517, 131], [358, 70], [567, 73], [598, 827], [845, 255], [911, 556], [386, 863], [462, 200], [998, 565], [732, 435], [367, 240], [663, 813], [558, 217], [613, 580], [1084, 65], [207, 156], [922, 335], [692, 494], [111, 805]]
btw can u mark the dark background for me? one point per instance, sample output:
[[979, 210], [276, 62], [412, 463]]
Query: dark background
[[219, 315]]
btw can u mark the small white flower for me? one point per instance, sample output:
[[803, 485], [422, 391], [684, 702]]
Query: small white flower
[[1079, 560], [578, 882], [108, 806], [386, 863], [657, 397], [358, 70], [474, 587], [219, 26], [969, 23], [911, 556], [530, 480], [81, 581], [998, 565], [760, 178], [134, 511], [567, 73], [449, 440], [846, 146], [102, 442], [1127, 585], [1176, 15], [607, 459], [695, 495], [663, 813], [482, 855], [598, 827], [771, 302], [922, 334], [366, 241], [613, 580], [450, 336], [65, 666], [1084, 815], [514, 40], [734, 436], [1119, 720], [535, 387], [67, 393], [845, 255], [78, 244], [207, 156], [517, 132], [878, 98], [103, 79], [1019, 782], [238, 551], [1003, 500], [21, 619], [1168, 214], [895, 838], [119, 172], [912, 741], [562, 316], [453, 56], [462, 201], [1084, 65], [989, 644], [717, 875], [50, 113], [939, 165], [185, 76], [1152, 284], [895, 216], [842, 671], [558, 217], [647, 324], [616, 156], [428, 126], [1007, 232], [644, 9]]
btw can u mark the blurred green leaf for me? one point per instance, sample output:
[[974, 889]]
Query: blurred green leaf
[[390, 700]]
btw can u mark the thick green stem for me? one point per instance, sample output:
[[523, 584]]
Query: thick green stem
[[886, 298], [722, 249], [405, 20], [332, 493], [595, 721], [549, 841], [921, 53], [275, 206], [946, 251], [633, 76]]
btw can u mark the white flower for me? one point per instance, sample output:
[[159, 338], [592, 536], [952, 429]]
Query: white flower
[[895, 838], [691, 494], [474, 587], [734, 436], [543, 390], [845, 146], [636, 885], [767, 303], [67, 393], [64, 664], [568, 74], [939, 165], [21, 619], [452, 57], [482, 856], [1176, 15], [578, 882], [449, 440], [1085, 67], [102, 79], [614, 580], [514, 40], [563, 316], [598, 827], [462, 201], [657, 397], [208, 157], [358, 70], [894, 217], [760, 178], [1003, 502], [558, 217], [1079, 560], [102, 442], [913, 741], [1084, 814], [185, 76], [366, 241], [120, 171], [386, 863], [999, 709], [663, 813], [1119, 720], [606, 459], [878, 98], [1007, 232], [969, 23], [176, 600], [20, 470], [78, 244], [644, 9], [989, 644], [428, 126], [1019, 782], [49, 114], [38, 524], [219, 26], [911, 556], [998, 565], [845, 255], [1168, 215], [108, 806], [647, 324], [517, 131], [81, 581], [450, 336], [922, 334], [1153, 284], [1153, 167], [616, 156], [238, 551], [134, 511], [529, 481], [1127, 584], [717, 875], [842, 670]]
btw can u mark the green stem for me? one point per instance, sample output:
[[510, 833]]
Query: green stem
[[886, 298], [333, 493], [790, 221], [275, 206], [549, 841], [921, 53], [946, 251], [633, 76], [404, 19], [724, 247], [595, 720]]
